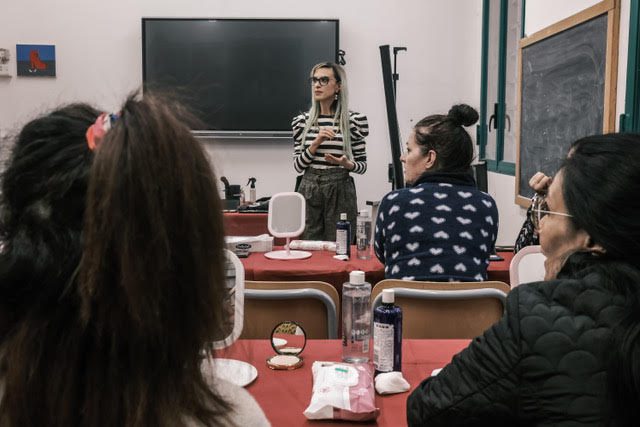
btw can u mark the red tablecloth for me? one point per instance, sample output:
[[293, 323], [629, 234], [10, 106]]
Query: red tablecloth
[[322, 266], [284, 395]]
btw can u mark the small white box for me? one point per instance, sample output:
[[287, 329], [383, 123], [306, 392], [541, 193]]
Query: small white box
[[261, 243]]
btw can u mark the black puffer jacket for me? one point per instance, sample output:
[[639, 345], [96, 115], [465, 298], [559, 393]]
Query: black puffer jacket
[[544, 363]]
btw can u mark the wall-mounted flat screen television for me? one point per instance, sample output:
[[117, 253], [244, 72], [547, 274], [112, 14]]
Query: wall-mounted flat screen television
[[244, 77]]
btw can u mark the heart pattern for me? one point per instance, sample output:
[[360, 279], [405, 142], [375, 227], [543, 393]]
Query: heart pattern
[[454, 233], [460, 267], [466, 235], [437, 269], [413, 246], [459, 249], [441, 235]]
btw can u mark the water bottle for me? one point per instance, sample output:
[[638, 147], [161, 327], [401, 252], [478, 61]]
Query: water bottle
[[387, 335], [356, 319], [343, 236], [363, 234]]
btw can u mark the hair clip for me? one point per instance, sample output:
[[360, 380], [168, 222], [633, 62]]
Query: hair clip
[[99, 129]]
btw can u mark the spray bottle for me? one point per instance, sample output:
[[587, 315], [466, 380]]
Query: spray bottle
[[252, 190]]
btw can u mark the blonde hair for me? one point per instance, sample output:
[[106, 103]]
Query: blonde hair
[[341, 106]]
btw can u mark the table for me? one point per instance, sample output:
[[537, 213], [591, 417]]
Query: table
[[247, 224], [322, 266], [284, 395]]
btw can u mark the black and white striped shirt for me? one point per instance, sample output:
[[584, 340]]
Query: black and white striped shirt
[[302, 157]]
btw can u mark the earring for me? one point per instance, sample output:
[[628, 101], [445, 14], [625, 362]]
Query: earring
[[335, 96]]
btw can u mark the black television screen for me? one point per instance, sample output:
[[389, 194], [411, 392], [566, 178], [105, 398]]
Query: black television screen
[[244, 77]]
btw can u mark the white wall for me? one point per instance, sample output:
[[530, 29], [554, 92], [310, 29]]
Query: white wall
[[538, 15], [98, 48]]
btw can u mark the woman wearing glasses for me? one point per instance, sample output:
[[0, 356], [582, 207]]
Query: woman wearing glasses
[[328, 144], [567, 350]]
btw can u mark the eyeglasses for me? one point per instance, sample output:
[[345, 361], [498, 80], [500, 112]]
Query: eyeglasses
[[322, 80], [539, 210]]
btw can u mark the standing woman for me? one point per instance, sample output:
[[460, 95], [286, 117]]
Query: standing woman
[[328, 144]]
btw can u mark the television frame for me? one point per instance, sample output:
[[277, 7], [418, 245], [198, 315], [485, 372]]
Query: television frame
[[236, 134]]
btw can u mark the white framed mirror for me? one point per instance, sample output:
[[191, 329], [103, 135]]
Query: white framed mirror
[[286, 219]]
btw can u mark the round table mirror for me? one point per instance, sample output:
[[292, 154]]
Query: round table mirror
[[288, 339]]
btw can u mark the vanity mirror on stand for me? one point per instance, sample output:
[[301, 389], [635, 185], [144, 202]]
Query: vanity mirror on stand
[[286, 219]]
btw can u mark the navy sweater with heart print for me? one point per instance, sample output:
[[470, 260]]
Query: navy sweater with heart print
[[441, 229]]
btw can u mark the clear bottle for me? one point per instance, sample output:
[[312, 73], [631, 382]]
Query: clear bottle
[[363, 234], [343, 236], [356, 319], [387, 335]]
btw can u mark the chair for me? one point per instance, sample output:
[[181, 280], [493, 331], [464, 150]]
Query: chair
[[527, 266], [233, 302], [313, 304], [445, 310]]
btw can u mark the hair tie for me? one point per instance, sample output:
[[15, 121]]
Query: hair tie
[[99, 129]]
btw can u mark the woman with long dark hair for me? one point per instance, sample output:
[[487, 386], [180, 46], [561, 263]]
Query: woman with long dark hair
[[125, 292], [567, 351]]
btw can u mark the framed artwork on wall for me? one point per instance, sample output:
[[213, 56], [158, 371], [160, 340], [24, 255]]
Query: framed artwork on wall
[[36, 60], [5, 60]]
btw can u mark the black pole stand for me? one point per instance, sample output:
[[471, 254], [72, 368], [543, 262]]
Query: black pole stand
[[396, 76]]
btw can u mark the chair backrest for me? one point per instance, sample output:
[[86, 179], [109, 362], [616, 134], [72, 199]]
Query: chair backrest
[[234, 301], [527, 266], [315, 305], [445, 310]]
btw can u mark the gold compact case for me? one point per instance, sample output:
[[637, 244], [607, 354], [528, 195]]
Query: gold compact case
[[288, 339]]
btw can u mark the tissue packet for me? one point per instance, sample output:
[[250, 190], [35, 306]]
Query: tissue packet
[[342, 391]]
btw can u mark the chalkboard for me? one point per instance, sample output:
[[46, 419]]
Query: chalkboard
[[563, 96]]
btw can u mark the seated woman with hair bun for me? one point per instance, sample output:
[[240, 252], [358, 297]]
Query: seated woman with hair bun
[[441, 227]]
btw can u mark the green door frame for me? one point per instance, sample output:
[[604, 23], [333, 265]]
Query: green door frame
[[630, 120], [497, 165]]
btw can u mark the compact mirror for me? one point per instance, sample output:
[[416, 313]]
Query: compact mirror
[[288, 339]]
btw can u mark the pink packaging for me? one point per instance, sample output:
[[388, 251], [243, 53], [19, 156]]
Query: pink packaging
[[342, 391]]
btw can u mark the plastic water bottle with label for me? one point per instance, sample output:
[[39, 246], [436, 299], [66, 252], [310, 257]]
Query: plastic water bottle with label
[[363, 234], [356, 319]]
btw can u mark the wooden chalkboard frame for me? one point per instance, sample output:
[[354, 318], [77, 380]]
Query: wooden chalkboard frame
[[612, 9]]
